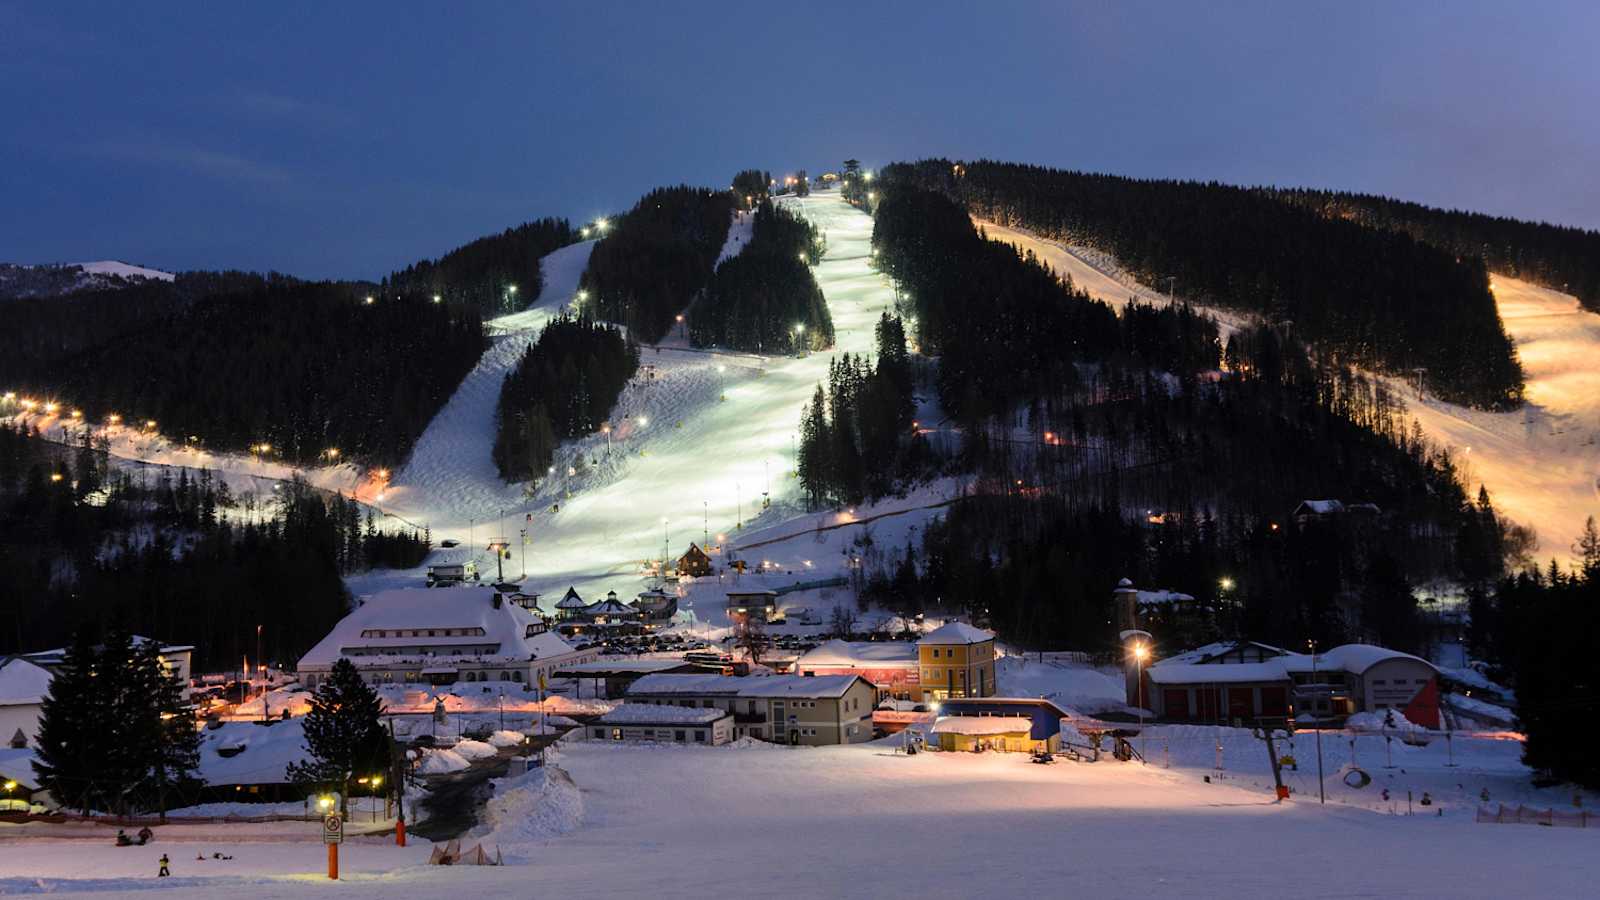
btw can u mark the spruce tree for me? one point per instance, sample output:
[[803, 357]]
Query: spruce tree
[[169, 737], [70, 732], [343, 734]]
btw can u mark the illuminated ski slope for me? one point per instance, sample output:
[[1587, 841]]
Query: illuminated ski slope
[[1541, 464], [695, 440]]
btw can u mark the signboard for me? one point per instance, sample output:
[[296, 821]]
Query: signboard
[[332, 829]]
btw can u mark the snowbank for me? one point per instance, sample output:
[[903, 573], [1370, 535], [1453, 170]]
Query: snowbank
[[442, 762], [535, 807], [506, 738], [1388, 720], [471, 750]]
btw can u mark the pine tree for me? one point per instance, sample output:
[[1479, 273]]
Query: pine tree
[[343, 733], [1588, 550], [173, 743], [70, 729]]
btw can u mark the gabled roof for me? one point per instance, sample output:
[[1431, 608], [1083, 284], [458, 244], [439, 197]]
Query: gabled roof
[[22, 683], [982, 725], [651, 714], [571, 600], [860, 654], [610, 606], [664, 684], [505, 628], [956, 633]]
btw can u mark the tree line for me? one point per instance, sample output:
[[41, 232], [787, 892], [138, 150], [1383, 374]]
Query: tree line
[[1007, 330], [1377, 297], [765, 299], [1555, 256], [176, 556], [1537, 628], [1195, 489], [564, 387], [301, 367], [657, 258], [495, 275], [856, 437]]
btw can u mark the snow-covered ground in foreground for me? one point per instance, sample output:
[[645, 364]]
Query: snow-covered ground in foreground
[[862, 821], [1541, 463], [696, 441]]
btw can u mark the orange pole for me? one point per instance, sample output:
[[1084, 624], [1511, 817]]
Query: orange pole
[[400, 832], [333, 861]]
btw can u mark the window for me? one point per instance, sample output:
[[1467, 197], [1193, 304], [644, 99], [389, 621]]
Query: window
[[699, 736], [678, 735], [599, 732], [516, 676], [1381, 681], [616, 734]]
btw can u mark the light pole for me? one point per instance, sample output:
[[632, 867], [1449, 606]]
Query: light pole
[[1322, 791], [1140, 651]]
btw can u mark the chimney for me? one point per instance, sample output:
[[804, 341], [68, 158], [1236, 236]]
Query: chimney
[[497, 600]]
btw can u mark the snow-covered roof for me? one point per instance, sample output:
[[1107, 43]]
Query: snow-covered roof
[[571, 600], [604, 667], [58, 655], [610, 606], [465, 610], [22, 683], [1217, 673], [956, 633], [1164, 596], [263, 752], [1192, 667], [711, 685], [650, 714], [861, 654], [1352, 658], [983, 725], [1323, 507]]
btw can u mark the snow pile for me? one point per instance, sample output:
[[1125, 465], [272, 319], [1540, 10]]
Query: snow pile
[[442, 762], [1081, 687], [1481, 710], [506, 738], [560, 722], [535, 807], [471, 750], [1391, 720]]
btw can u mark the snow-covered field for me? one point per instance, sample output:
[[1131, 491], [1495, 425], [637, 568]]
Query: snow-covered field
[[696, 441], [1541, 463], [862, 821]]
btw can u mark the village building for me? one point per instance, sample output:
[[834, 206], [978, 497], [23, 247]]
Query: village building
[[1248, 680], [957, 660], [1323, 510], [451, 566], [436, 637], [606, 617], [663, 724], [1172, 616], [785, 709], [611, 678], [656, 607], [19, 783], [570, 605], [891, 666], [1016, 724], [695, 562], [758, 606]]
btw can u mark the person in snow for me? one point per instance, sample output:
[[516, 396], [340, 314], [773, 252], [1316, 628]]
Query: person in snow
[[145, 834], [164, 872]]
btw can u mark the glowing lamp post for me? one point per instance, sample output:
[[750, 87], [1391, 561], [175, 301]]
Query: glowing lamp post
[[1140, 651]]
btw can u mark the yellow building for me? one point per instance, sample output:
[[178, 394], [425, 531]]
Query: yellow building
[[956, 660]]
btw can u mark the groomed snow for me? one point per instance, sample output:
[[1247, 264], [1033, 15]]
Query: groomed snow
[[124, 270]]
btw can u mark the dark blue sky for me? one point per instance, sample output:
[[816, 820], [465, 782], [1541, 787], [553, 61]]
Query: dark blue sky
[[352, 140]]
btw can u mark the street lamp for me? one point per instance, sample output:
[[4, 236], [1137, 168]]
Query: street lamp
[[1140, 651]]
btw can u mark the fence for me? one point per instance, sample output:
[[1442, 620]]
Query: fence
[[1522, 815]]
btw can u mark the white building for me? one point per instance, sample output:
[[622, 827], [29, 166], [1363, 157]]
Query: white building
[[441, 636], [22, 688], [666, 724], [786, 709]]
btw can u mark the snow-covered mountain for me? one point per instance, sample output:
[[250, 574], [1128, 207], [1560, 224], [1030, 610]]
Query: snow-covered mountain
[[52, 279]]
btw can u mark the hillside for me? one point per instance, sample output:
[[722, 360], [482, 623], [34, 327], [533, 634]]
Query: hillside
[[55, 279]]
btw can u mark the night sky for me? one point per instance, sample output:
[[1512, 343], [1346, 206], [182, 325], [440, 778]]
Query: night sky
[[350, 141]]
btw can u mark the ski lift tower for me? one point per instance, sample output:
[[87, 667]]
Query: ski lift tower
[[499, 546]]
